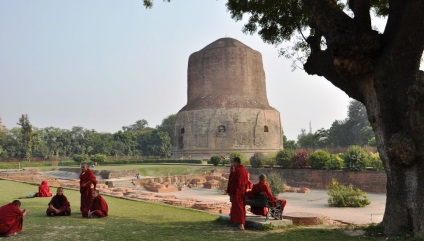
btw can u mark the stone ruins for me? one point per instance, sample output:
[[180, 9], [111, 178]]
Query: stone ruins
[[227, 108]]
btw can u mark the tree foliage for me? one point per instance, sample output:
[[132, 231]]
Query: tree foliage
[[26, 137], [51, 142], [168, 126], [353, 130]]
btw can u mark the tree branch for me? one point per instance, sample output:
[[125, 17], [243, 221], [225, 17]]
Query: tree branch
[[404, 33], [321, 63], [361, 9]]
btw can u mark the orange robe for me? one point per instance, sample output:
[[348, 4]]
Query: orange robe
[[44, 190], [11, 219], [100, 207], [59, 202], [264, 188], [236, 188], [86, 191]]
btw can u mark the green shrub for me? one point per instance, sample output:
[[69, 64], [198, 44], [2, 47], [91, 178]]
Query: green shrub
[[80, 158], [215, 160], [276, 183], [66, 164], [300, 159], [318, 159], [269, 159], [242, 157], [99, 158], [346, 196], [372, 142], [284, 157], [355, 158], [375, 162], [334, 163], [256, 160]]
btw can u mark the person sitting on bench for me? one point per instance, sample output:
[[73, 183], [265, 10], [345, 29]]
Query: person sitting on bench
[[263, 187]]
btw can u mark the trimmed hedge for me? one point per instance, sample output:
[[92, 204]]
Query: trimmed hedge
[[215, 160], [15, 165], [318, 159], [355, 158], [153, 161], [284, 158]]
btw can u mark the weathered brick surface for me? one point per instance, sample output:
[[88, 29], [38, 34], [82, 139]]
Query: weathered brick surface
[[368, 181], [227, 108]]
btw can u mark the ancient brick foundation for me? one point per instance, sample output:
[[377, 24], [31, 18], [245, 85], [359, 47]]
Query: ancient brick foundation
[[368, 181]]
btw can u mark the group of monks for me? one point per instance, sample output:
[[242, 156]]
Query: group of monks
[[92, 204], [240, 187]]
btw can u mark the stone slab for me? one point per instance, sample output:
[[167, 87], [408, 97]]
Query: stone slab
[[257, 222]]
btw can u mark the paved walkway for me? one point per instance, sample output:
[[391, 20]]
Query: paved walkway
[[316, 202], [313, 202]]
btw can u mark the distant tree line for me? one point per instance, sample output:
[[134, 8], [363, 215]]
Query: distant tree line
[[138, 139], [354, 130]]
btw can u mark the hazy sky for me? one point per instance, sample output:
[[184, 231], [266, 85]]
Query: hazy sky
[[104, 64]]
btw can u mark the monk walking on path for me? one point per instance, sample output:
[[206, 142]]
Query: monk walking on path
[[236, 188], [87, 186], [11, 218], [59, 205]]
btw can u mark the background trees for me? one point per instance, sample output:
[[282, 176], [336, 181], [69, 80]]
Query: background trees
[[354, 130], [51, 142]]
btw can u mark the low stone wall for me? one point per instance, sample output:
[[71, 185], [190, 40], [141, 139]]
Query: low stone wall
[[368, 181]]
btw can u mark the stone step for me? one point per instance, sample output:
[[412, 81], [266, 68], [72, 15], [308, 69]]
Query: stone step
[[258, 222], [303, 218]]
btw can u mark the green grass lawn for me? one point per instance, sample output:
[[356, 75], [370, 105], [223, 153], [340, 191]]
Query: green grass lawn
[[132, 220]]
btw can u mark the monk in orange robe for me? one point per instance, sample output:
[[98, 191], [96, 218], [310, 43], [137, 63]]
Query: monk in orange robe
[[11, 218], [263, 186], [59, 205], [44, 190], [236, 188], [87, 185], [99, 209]]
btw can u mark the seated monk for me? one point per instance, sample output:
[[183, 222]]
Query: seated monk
[[99, 208], [249, 184], [11, 218], [59, 205], [263, 187], [43, 190]]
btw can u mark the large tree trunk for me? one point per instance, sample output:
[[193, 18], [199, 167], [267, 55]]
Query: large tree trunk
[[400, 144], [381, 71]]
